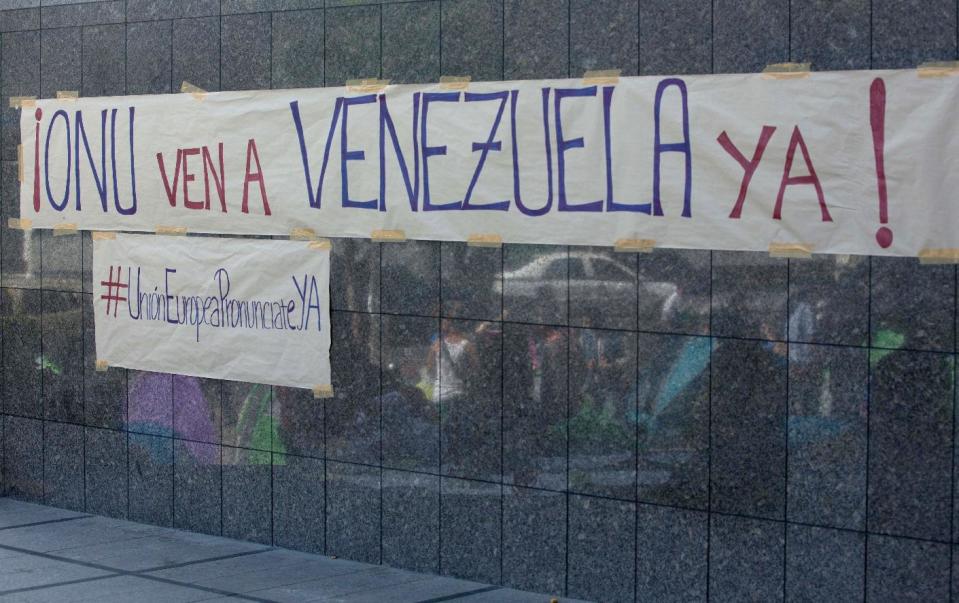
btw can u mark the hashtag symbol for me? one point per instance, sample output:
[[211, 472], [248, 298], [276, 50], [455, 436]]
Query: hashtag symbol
[[113, 287]]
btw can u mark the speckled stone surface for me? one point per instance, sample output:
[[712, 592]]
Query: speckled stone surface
[[534, 540], [106, 472], [353, 414], [906, 570], [749, 35], [602, 549], [471, 281], [906, 33], [298, 503], [471, 39], [831, 35], [353, 512], [247, 495], [298, 422], [61, 362], [197, 487], [411, 42], [411, 520], [602, 288], [298, 51], [104, 63], [196, 52], [470, 529], [63, 465], [604, 34], [60, 262], [917, 304], [23, 458], [18, 76], [675, 37], [145, 10], [21, 349], [826, 299], [352, 44], [355, 264], [745, 559], [19, 250], [535, 284], [244, 55], [150, 475], [824, 564], [536, 42], [671, 547], [87, 13], [674, 289], [150, 57], [410, 278], [104, 393], [749, 295]]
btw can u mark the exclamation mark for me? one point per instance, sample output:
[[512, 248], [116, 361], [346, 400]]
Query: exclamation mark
[[877, 119], [36, 163]]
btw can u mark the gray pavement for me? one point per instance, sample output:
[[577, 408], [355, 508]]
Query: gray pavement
[[49, 554]]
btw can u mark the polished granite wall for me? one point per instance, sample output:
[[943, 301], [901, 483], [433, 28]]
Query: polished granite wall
[[668, 426]]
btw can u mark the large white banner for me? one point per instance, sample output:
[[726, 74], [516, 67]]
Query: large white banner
[[863, 162], [238, 309]]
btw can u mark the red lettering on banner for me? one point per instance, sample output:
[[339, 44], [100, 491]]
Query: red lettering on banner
[[256, 176]]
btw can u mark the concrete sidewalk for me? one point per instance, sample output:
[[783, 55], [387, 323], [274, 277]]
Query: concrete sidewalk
[[49, 554]]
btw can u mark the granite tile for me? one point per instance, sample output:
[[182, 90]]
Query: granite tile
[[410, 404], [245, 414], [602, 411], [150, 473], [299, 510], [602, 288], [19, 77], [196, 52], [831, 35], [747, 36], [355, 265], [150, 10], [906, 33], [3, 489], [536, 39], [410, 278], [19, 249], [604, 34], [675, 37], [20, 19], [673, 420], [60, 262], [469, 367], [534, 540], [472, 281], [470, 530], [352, 44], [150, 57], [230, 7], [104, 393], [61, 362], [245, 53], [824, 564], [87, 13], [746, 559], [150, 403], [602, 549], [898, 569], [353, 414], [671, 549], [18, 4], [197, 487], [104, 63], [828, 389], [827, 295], [472, 39], [912, 306], [910, 444], [63, 465], [106, 472], [196, 409], [86, 261], [20, 309], [748, 428], [23, 459], [536, 284], [411, 42], [353, 512], [247, 495], [297, 55], [535, 368], [749, 295], [298, 422], [411, 521], [60, 66]]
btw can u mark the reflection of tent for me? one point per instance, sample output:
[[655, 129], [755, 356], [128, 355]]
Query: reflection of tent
[[255, 429], [693, 359], [150, 413]]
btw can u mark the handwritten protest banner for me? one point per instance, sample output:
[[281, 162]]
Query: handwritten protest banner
[[238, 309], [845, 162]]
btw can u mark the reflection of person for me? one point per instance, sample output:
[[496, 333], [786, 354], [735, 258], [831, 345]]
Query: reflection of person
[[151, 412]]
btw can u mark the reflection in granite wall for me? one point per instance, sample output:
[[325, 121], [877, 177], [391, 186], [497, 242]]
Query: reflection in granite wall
[[679, 425]]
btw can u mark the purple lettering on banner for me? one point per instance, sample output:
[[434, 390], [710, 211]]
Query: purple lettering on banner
[[315, 199], [46, 161], [428, 151], [485, 147], [549, 157], [81, 134], [123, 211], [167, 296], [672, 147], [563, 145], [348, 155], [611, 203], [386, 122]]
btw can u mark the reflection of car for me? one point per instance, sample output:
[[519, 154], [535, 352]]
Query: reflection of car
[[595, 279]]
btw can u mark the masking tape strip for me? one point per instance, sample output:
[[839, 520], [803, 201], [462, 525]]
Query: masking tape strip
[[101, 366], [197, 92], [322, 391], [171, 230], [19, 163], [366, 85], [320, 244], [67, 95], [790, 250], [302, 234], [484, 240], [17, 102], [602, 76], [938, 69], [786, 71], [635, 245], [388, 236], [455, 82], [20, 223], [939, 256], [101, 235], [60, 230]]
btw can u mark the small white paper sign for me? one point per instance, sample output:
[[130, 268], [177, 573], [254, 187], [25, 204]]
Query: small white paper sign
[[237, 309]]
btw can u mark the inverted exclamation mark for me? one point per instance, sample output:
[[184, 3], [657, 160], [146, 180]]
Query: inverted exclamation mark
[[36, 163], [877, 119]]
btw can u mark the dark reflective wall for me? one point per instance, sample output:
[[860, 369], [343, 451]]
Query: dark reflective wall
[[668, 426]]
